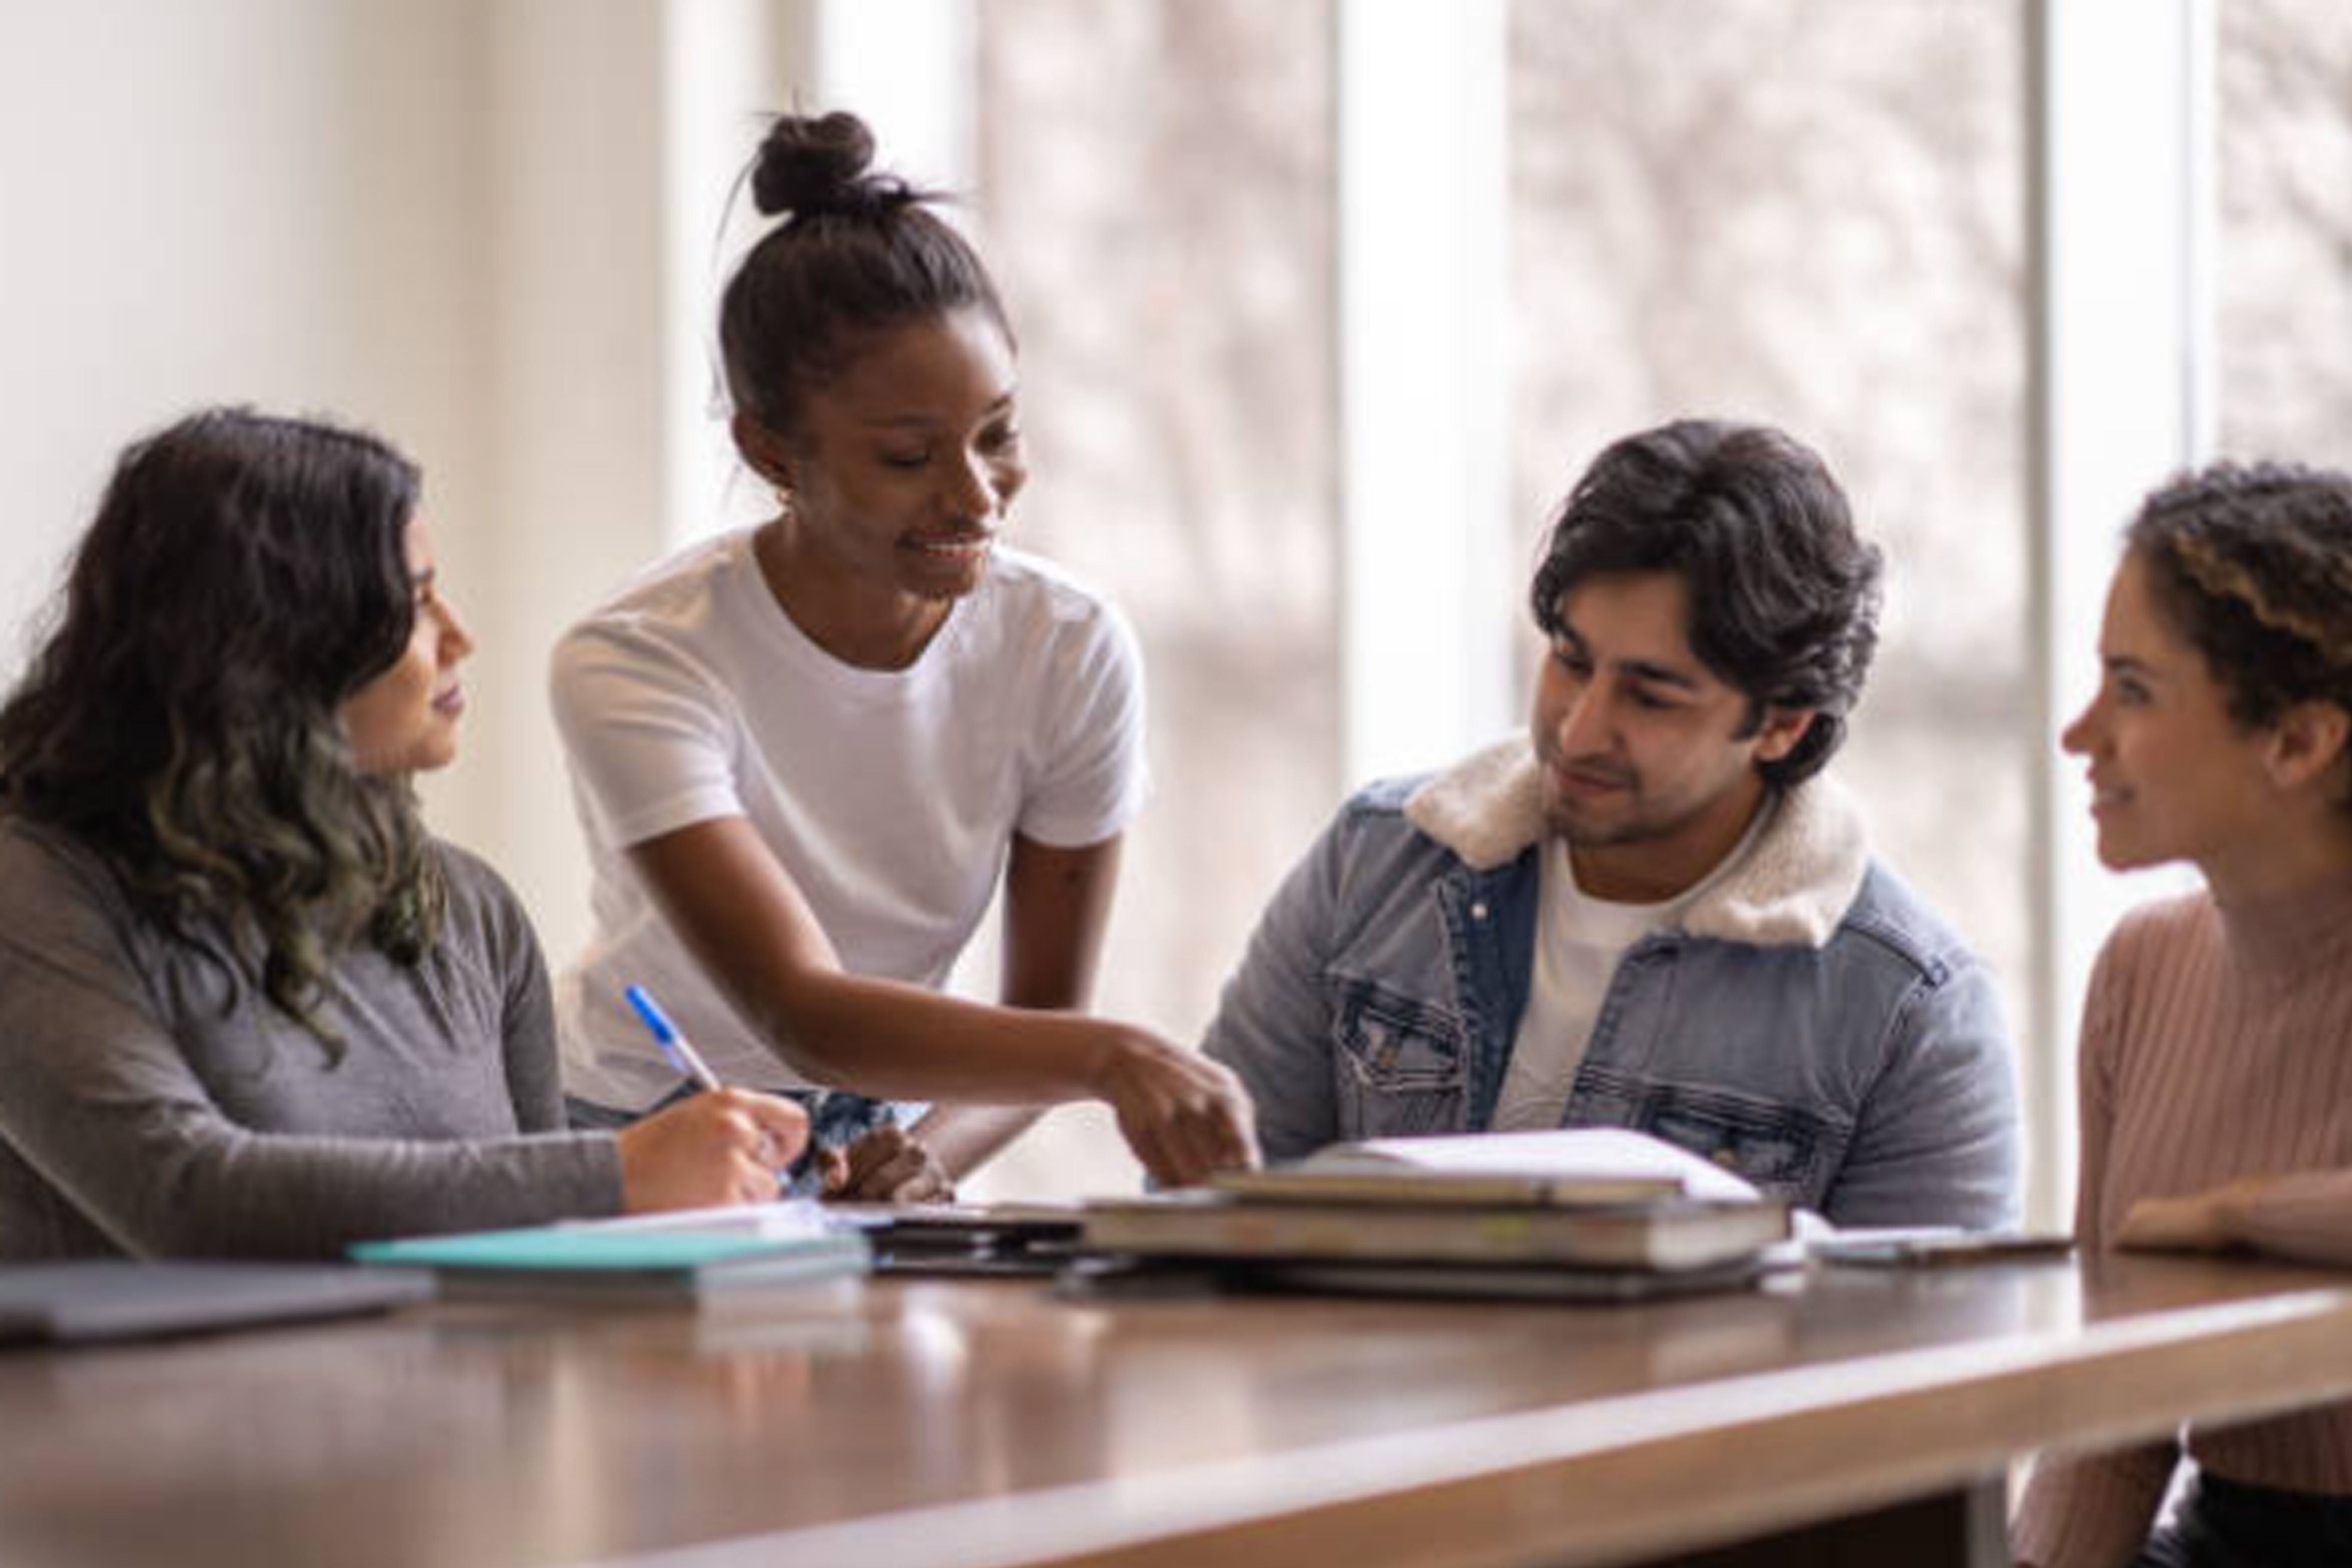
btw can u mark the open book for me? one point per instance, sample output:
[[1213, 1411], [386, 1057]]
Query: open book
[[1571, 1166]]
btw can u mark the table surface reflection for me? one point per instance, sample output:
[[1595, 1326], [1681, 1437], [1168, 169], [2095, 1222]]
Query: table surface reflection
[[887, 1422]]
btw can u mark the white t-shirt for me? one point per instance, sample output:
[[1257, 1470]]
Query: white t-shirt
[[891, 796], [1580, 940]]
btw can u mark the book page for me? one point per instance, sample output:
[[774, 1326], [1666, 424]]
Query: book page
[[785, 1218], [1573, 1152]]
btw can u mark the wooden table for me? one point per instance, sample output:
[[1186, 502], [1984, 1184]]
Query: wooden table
[[886, 1423]]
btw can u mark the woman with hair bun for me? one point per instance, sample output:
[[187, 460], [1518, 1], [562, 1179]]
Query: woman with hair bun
[[249, 1006], [2216, 1050], [806, 753]]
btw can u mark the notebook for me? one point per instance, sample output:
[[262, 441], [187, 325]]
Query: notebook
[[627, 1259], [93, 1300], [975, 1239]]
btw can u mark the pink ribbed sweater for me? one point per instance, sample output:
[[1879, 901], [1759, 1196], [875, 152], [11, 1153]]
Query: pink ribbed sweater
[[2216, 1043]]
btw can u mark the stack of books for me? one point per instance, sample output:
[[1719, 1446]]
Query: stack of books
[[1581, 1213]]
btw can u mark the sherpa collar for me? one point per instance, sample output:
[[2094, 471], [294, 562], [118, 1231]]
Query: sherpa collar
[[1793, 886]]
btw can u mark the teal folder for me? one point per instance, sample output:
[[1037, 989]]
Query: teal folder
[[623, 1260]]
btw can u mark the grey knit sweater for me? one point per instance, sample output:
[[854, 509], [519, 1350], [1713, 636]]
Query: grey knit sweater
[[150, 1104]]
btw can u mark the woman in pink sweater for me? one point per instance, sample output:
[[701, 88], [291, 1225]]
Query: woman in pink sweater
[[2216, 1054]]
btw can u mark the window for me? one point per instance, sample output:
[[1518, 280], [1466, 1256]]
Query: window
[[1154, 187], [2284, 267], [1808, 213]]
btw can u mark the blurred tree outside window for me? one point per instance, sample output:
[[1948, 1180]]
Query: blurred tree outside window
[[1155, 195], [2284, 263], [1807, 213]]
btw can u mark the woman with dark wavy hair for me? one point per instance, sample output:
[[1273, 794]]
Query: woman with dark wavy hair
[[2216, 1051], [250, 1006]]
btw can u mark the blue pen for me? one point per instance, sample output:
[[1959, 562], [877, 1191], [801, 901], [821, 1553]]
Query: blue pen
[[687, 1060], [675, 1046]]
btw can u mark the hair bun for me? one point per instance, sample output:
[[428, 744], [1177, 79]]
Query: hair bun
[[817, 165]]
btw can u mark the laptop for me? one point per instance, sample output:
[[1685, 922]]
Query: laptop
[[95, 1300]]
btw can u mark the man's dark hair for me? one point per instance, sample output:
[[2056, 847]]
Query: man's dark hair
[[1784, 594]]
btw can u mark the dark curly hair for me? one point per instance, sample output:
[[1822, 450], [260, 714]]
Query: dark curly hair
[[2253, 563], [863, 251], [244, 576], [1784, 595]]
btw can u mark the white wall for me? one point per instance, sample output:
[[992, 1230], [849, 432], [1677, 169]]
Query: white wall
[[571, 406], [267, 200]]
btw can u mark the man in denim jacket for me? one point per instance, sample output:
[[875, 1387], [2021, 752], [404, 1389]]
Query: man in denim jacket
[[1654, 911]]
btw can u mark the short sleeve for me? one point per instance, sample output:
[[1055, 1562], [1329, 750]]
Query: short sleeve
[[651, 736], [1092, 778]]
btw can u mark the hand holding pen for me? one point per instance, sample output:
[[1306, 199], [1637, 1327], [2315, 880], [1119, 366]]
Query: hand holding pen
[[883, 1164], [721, 1146]]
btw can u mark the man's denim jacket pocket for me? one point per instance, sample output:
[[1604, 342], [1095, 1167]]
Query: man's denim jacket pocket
[[1781, 1148], [1403, 1064]]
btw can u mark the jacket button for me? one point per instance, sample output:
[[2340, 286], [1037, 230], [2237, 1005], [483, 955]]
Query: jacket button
[[1478, 911]]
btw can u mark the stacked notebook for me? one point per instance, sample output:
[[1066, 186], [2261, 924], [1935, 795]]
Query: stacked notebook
[[1584, 1213], [693, 1256], [963, 1239]]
